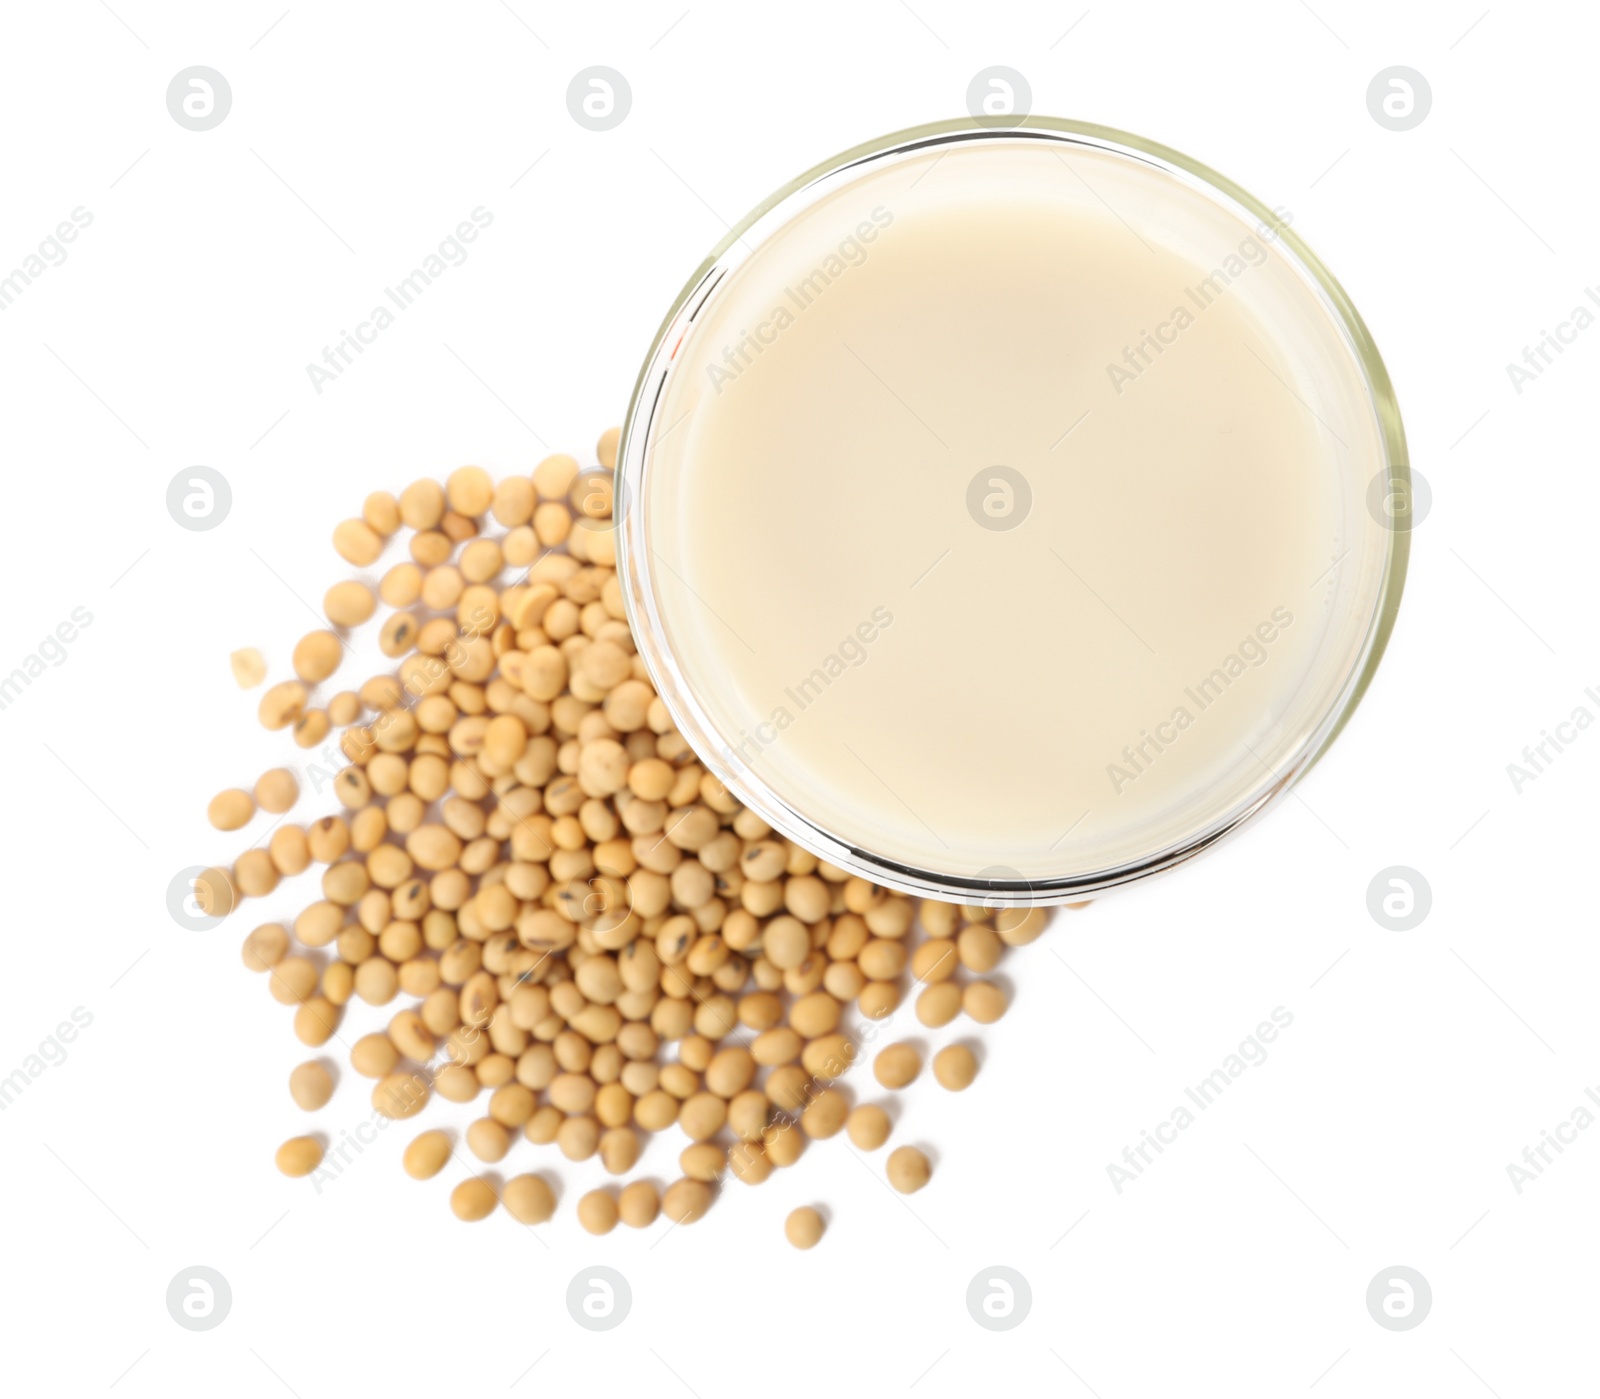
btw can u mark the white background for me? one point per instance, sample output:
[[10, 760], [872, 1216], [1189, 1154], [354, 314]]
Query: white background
[[177, 332]]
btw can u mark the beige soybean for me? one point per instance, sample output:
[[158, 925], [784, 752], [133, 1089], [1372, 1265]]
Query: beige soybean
[[597, 1212], [955, 1066], [939, 1004], [265, 947], [488, 1140], [400, 1095], [317, 655], [299, 1156], [315, 1021], [381, 511], [983, 1001], [934, 960], [639, 1204], [249, 669], [426, 1155], [422, 504], [618, 1150], [357, 542], [292, 979], [473, 1199], [868, 1126], [276, 791], [230, 810], [908, 1169], [803, 1228], [897, 1065], [469, 490], [825, 1115], [1018, 927], [686, 1201], [553, 477], [349, 604], [528, 1199], [566, 913], [310, 1085], [254, 874], [702, 1161]]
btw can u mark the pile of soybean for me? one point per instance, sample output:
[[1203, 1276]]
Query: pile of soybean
[[576, 924]]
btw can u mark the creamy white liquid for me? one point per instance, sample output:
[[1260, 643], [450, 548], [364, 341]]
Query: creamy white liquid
[[1192, 584]]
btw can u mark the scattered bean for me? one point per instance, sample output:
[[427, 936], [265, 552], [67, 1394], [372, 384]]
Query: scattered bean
[[868, 1126], [638, 1205], [230, 810], [473, 1199], [299, 1156], [426, 1155], [249, 669], [586, 926], [277, 791], [803, 1228], [955, 1067], [685, 1201], [983, 1001], [310, 1085], [528, 1199], [908, 1169], [597, 1212], [897, 1065]]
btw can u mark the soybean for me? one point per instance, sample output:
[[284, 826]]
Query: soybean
[[597, 1212], [868, 1126], [310, 1085], [231, 809], [803, 1228], [473, 1199], [908, 1169], [897, 1065], [955, 1067], [638, 1205], [425, 1156], [528, 1199], [580, 922], [299, 1156]]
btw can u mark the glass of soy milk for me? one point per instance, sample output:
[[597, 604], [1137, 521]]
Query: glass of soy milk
[[1008, 513]]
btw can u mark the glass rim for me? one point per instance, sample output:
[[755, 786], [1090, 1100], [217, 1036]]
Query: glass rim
[[992, 888]]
